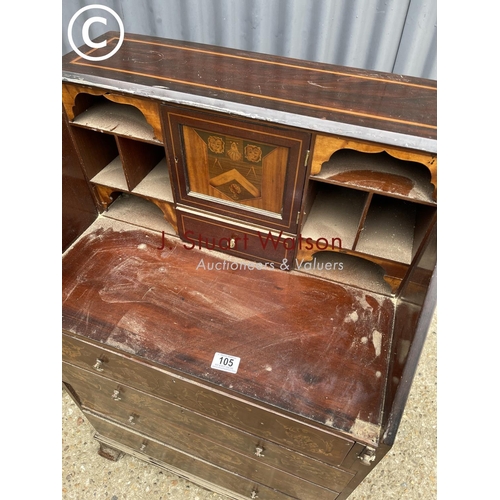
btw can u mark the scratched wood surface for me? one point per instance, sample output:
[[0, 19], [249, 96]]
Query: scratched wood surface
[[200, 437], [347, 95], [307, 346]]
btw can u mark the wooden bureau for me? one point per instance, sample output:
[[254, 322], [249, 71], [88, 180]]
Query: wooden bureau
[[248, 269]]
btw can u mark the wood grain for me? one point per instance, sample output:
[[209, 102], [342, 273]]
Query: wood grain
[[334, 93], [182, 464], [79, 209], [236, 423], [148, 108], [282, 172], [325, 146], [199, 436], [312, 348]]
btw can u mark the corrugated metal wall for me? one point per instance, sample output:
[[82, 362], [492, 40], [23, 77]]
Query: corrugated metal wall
[[385, 35]]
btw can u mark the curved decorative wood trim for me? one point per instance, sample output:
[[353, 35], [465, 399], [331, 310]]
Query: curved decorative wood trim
[[394, 272], [149, 109], [69, 93], [308, 255], [326, 146], [105, 198], [168, 210], [103, 194]]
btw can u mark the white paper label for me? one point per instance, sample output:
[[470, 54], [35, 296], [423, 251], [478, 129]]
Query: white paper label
[[225, 362]]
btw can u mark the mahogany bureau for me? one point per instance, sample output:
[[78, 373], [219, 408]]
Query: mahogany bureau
[[248, 268]]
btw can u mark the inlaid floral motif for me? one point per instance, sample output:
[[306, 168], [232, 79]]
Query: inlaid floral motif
[[216, 144], [253, 153], [233, 152]]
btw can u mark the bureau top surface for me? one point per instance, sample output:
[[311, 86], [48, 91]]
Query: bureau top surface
[[308, 347], [367, 104]]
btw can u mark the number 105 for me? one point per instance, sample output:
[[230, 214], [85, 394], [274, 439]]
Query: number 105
[[226, 361]]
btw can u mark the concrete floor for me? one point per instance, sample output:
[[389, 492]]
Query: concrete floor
[[408, 472]]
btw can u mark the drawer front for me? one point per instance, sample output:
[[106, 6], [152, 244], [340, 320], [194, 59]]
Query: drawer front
[[183, 464], [186, 431], [255, 420], [264, 246]]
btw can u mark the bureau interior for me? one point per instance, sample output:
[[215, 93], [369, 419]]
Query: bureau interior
[[348, 319], [375, 206], [327, 321], [362, 206], [164, 306], [111, 112]]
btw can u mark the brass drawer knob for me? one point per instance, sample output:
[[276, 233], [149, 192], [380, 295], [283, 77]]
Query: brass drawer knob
[[98, 365], [232, 243], [116, 395], [259, 451]]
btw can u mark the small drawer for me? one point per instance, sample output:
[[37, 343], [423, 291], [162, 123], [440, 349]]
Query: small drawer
[[196, 470], [205, 438], [269, 248], [274, 428]]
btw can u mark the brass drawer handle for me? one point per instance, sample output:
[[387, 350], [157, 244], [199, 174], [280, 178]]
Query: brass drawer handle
[[116, 395], [143, 446], [368, 456], [254, 494], [131, 419], [98, 365], [259, 451], [232, 243]]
